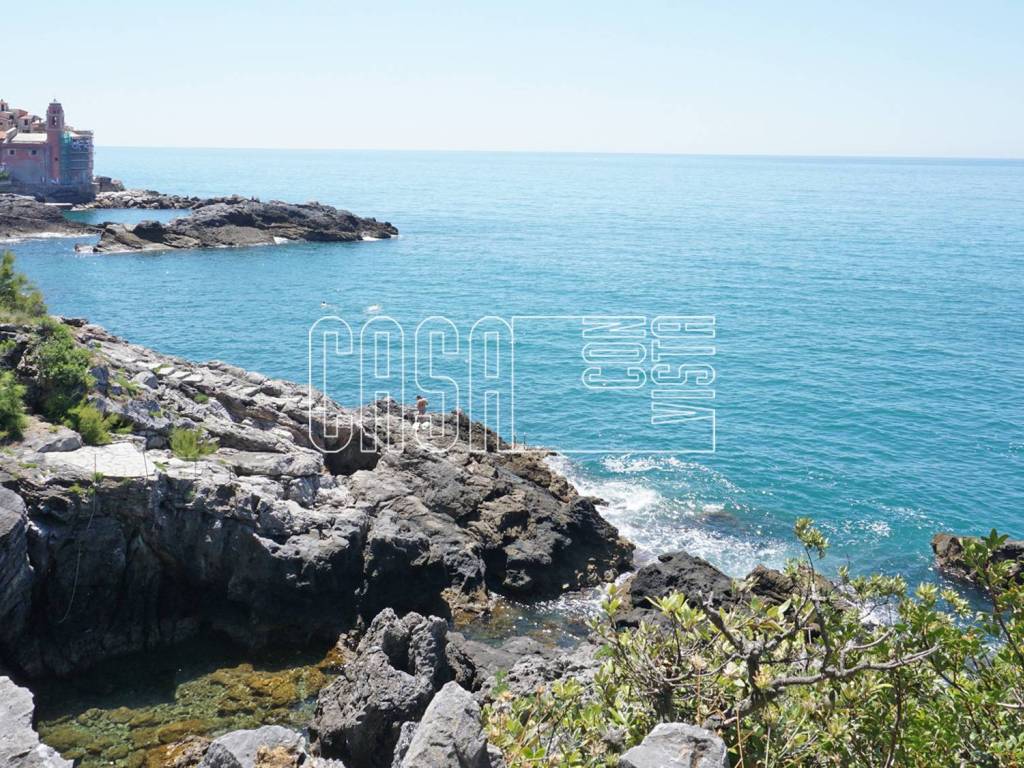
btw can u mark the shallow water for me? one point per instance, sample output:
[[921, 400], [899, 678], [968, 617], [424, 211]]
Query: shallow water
[[870, 358], [134, 711]]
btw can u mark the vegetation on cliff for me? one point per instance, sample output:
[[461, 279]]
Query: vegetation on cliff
[[863, 674]]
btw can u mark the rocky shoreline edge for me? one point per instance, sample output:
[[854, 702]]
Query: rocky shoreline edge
[[221, 222], [128, 546]]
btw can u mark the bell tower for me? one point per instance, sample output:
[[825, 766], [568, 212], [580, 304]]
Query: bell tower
[[54, 136]]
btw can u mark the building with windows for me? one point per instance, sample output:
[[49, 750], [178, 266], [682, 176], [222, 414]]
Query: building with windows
[[45, 157]]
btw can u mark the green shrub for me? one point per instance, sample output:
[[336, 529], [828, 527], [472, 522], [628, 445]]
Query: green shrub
[[200, 398], [19, 299], [190, 445], [93, 426], [63, 367], [805, 683], [12, 407]]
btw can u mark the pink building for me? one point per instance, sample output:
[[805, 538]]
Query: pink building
[[45, 157]]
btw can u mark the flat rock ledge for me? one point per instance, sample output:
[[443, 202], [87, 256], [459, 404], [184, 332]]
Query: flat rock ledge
[[295, 528], [236, 222]]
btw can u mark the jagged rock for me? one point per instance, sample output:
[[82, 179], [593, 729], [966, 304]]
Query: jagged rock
[[398, 666], [147, 199], [673, 572], [270, 537], [405, 734], [450, 734], [238, 749], [475, 664], [16, 574], [243, 222], [23, 216], [677, 745], [19, 743], [949, 555]]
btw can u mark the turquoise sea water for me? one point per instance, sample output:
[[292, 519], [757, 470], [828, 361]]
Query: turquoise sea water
[[869, 350]]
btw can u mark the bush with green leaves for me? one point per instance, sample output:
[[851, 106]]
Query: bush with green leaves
[[191, 444], [864, 674], [63, 367], [92, 425], [20, 300], [12, 407]]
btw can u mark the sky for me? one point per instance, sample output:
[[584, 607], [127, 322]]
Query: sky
[[936, 79]]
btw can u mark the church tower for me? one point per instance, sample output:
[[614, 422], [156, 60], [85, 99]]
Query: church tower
[[54, 135]]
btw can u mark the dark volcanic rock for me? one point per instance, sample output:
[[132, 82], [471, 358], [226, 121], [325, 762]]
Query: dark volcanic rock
[[269, 537], [242, 222], [949, 555], [681, 572], [22, 216]]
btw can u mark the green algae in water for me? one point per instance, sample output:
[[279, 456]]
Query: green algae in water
[[128, 712]]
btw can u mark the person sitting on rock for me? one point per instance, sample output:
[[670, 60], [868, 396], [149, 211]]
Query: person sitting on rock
[[421, 407]]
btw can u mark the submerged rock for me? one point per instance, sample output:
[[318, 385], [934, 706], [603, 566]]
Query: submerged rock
[[243, 222], [269, 537], [19, 743]]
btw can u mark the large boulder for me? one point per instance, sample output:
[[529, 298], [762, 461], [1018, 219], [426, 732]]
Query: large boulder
[[239, 749], [450, 734], [398, 666], [677, 745], [19, 743], [672, 572]]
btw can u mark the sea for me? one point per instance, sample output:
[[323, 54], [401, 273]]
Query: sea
[[842, 338]]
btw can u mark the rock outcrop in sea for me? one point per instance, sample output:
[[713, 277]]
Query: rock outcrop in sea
[[144, 199], [24, 216], [234, 222], [949, 555], [123, 547]]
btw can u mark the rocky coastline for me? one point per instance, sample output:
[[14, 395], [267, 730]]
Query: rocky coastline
[[24, 216], [221, 222]]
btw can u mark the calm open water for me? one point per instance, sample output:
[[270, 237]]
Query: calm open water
[[870, 348]]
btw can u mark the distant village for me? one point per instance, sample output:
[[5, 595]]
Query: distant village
[[45, 157]]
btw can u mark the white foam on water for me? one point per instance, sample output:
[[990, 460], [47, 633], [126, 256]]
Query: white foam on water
[[373, 309], [657, 523]]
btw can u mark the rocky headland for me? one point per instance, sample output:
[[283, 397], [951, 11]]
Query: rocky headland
[[220, 222], [24, 216], [108, 549]]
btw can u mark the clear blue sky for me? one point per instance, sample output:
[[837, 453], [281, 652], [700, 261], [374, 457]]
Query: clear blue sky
[[863, 78]]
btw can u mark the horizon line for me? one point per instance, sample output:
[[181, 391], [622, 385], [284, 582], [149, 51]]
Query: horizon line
[[738, 155]]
